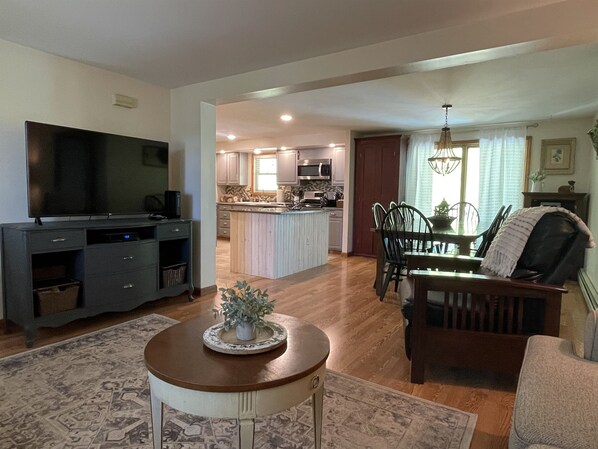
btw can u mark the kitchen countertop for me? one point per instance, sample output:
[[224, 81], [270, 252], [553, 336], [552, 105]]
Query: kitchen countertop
[[253, 205], [276, 210]]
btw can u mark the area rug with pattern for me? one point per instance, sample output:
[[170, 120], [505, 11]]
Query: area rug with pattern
[[92, 392]]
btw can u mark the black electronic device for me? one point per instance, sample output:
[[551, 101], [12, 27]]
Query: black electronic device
[[80, 172], [115, 237], [172, 200]]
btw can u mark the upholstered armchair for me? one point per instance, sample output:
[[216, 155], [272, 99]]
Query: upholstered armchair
[[556, 404], [457, 314]]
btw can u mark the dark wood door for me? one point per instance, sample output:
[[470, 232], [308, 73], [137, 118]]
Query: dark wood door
[[377, 162]]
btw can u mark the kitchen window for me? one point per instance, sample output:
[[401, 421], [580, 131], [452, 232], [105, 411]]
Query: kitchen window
[[264, 173]]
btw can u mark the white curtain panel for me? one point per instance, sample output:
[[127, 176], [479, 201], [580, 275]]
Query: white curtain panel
[[502, 157], [418, 182]]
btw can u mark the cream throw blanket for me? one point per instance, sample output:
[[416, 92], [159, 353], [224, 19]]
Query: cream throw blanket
[[507, 246]]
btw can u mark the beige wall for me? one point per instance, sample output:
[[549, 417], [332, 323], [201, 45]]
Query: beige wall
[[40, 87], [560, 129], [592, 254]]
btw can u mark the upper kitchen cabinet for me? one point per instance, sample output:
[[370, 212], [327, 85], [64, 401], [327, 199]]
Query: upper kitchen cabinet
[[338, 167], [231, 169], [286, 167]]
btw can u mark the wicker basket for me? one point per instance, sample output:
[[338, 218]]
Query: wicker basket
[[58, 297], [174, 274]]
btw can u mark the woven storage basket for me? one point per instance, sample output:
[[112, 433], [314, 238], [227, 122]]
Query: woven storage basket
[[174, 274], [57, 298]]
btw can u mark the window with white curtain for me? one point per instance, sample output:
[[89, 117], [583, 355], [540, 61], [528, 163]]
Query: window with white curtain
[[264, 173], [490, 174]]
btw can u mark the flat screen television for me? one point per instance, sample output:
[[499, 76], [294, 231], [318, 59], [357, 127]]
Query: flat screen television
[[79, 172]]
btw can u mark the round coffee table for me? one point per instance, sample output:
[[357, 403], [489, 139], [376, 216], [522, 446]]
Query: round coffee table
[[192, 378]]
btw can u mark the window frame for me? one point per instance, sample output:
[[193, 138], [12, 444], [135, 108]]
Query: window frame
[[269, 155], [466, 144]]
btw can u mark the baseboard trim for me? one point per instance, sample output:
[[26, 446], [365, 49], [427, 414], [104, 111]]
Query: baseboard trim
[[206, 290], [588, 289]]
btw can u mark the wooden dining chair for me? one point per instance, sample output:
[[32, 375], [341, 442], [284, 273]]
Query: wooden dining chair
[[466, 214], [379, 212], [490, 233], [404, 229]]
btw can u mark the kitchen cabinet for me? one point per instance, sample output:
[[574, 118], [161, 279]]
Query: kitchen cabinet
[[338, 167], [286, 168], [223, 227], [231, 169], [335, 229]]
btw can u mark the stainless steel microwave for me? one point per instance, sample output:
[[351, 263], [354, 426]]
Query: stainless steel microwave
[[314, 169]]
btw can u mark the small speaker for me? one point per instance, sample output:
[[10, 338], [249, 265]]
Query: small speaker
[[172, 200]]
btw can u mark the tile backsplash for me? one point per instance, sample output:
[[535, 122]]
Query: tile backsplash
[[244, 192]]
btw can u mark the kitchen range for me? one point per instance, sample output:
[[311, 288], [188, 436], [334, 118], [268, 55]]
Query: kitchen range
[[318, 198]]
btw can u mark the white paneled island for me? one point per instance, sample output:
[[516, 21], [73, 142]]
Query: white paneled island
[[277, 242]]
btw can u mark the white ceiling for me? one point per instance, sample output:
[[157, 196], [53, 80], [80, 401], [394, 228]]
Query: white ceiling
[[179, 42], [556, 84]]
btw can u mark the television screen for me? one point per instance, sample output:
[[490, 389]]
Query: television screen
[[78, 172]]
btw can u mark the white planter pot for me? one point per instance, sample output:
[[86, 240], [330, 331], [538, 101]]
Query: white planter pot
[[245, 331]]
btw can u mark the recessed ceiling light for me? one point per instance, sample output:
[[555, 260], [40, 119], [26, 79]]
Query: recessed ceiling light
[[257, 151], [221, 151], [286, 117], [331, 145], [231, 137]]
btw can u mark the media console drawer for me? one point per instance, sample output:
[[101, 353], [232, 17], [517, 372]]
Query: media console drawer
[[56, 240], [120, 287], [173, 231], [127, 256]]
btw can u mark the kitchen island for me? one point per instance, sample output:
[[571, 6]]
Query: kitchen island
[[277, 242]]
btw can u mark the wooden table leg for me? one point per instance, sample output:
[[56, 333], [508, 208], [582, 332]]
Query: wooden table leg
[[317, 401], [156, 409], [246, 431]]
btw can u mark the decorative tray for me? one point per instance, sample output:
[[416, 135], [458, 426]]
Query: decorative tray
[[271, 336]]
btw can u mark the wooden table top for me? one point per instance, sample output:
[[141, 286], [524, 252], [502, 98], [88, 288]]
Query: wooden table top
[[178, 356]]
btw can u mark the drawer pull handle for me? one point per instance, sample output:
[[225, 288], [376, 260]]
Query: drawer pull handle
[[128, 286], [315, 382], [175, 230], [58, 240], [128, 257]]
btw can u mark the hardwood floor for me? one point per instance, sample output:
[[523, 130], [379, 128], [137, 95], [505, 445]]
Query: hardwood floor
[[366, 335]]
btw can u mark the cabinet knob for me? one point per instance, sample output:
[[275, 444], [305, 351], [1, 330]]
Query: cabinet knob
[[128, 286], [58, 240], [128, 257], [175, 230]]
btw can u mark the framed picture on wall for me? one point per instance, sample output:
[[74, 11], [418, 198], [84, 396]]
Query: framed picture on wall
[[558, 156]]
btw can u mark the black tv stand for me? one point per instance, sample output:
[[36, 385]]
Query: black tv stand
[[117, 264], [38, 221]]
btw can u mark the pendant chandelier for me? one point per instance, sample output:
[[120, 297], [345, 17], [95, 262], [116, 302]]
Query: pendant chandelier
[[444, 160]]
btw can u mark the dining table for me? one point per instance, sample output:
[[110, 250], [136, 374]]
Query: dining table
[[461, 234]]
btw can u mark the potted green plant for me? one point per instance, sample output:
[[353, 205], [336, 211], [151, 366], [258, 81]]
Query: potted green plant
[[441, 218], [536, 178], [244, 308]]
